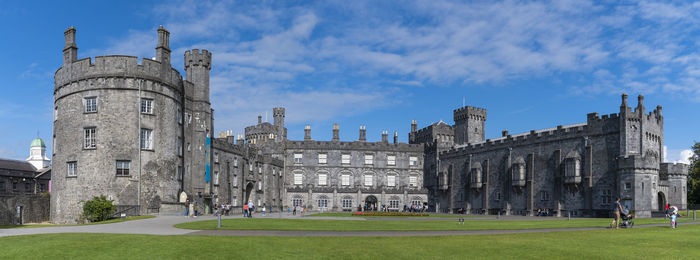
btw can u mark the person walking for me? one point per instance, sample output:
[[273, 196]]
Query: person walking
[[295, 210], [245, 210], [616, 214], [187, 208], [263, 210], [251, 207]]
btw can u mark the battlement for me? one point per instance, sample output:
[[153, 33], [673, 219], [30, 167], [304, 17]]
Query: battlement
[[467, 112], [278, 111], [674, 169], [635, 161], [197, 58], [356, 145], [116, 66]]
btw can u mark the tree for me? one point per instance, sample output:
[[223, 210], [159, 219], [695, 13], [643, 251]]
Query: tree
[[98, 209], [694, 176]]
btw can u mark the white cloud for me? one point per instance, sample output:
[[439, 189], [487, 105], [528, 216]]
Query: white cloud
[[676, 156], [685, 156]]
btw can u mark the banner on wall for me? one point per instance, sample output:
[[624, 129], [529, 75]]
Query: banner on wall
[[207, 176]]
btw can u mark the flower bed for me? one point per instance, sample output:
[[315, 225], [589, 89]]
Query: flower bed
[[390, 214]]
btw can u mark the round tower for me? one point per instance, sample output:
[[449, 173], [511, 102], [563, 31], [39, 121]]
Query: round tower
[[116, 131], [197, 67]]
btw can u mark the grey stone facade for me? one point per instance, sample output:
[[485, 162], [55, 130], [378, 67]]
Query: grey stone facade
[[577, 169]]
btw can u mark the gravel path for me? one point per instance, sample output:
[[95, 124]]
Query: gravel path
[[163, 225]]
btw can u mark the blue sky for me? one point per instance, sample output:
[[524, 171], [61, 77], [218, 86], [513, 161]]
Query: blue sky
[[533, 65]]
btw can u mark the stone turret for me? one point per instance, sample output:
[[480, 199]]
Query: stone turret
[[197, 67], [469, 124], [278, 114], [336, 134]]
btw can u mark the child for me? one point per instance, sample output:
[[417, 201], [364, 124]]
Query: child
[[673, 220]]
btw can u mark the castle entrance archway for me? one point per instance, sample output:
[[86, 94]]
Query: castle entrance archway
[[371, 203], [248, 189], [662, 201]]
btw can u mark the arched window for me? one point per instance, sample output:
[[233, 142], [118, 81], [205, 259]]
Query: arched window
[[347, 202]]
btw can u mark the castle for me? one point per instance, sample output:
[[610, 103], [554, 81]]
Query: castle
[[142, 135]]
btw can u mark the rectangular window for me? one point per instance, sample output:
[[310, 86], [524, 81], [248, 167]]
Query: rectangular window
[[606, 197], [544, 196], [179, 173], [368, 180], [345, 180], [91, 105], [27, 187], [14, 186], [345, 158], [322, 179], [628, 186], [391, 180], [216, 177], [90, 138], [323, 203], [322, 158], [297, 158], [216, 157], [296, 202], [179, 116], [179, 146], [369, 159], [55, 113], [393, 204], [146, 106], [347, 203], [235, 162], [413, 161], [123, 168], [260, 185], [188, 117], [413, 181], [391, 160], [297, 179], [499, 196], [235, 180], [250, 167], [259, 169], [72, 169], [42, 187], [146, 139]]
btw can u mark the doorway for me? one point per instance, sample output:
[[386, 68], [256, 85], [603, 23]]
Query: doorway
[[662, 201], [371, 203], [248, 189]]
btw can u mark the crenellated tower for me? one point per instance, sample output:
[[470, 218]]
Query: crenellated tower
[[197, 67], [278, 114], [469, 124]]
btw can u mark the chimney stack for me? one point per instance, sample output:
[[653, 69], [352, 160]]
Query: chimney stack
[[307, 133], [240, 140], [396, 137], [336, 135], [385, 136], [414, 125], [259, 119], [363, 133], [504, 133]]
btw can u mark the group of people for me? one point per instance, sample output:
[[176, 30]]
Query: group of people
[[302, 210], [249, 208], [543, 212], [415, 208], [672, 213]]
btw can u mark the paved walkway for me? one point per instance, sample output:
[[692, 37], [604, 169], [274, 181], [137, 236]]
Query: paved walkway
[[163, 225]]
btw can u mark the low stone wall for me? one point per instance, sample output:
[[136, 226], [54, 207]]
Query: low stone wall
[[35, 208]]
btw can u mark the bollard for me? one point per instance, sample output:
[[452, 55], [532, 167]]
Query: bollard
[[693, 215], [569, 215], [499, 215], [218, 224]]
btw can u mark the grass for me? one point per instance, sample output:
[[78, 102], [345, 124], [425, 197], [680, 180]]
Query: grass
[[114, 220], [349, 214], [398, 225], [638, 243]]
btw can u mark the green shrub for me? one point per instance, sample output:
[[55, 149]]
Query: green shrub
[[98, 209]]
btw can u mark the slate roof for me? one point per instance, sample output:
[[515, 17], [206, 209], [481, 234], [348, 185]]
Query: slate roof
[[16, 165]]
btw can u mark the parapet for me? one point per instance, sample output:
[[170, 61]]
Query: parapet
[[467, 112], [674, 169], [635, 161], [196, 58], [116, 66]]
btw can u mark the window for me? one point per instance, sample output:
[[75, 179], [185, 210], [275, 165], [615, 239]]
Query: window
[[606, 197], [146, 139], [413, 181], [146, 106], [188, 147], [55, 113], [42, 187], [628, 186], [91, 105], [235, 161], [235, 180], [89, 141], [298, 179], [179, 173], [260, 185], [345, 158], [369, 158], [347, 203], [393, 204], [216, 157], [179, 116], [391, 160], [188, 117], [235, 201], [296, 202], [123, 168], [544, 196], [391, 181], [250, 167], [179, 146], [413, 161], [216, 177], [416, 202], [322, 179], [2, 186], [322, 158], [345, 180], [72, 169], [368, 180], [14, 186], [499, 196], [323, 203], [297, 158], [259, 169], [27, 187], [573, 167]]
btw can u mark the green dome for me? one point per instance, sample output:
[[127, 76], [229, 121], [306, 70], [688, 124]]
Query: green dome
[[38, 142]]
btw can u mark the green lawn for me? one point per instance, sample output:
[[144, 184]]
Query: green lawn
[[114, 220], [349, 214], [398, 225], [638, 243]]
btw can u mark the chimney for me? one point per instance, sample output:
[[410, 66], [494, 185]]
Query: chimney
[[259, 119], [385, 136], [336, 135], [640, 104], [504, 133], [229, 137], [240, 140], [624, 100], [363, 134], [70, 50], [414, 125], [396, 137], [307, 133]]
